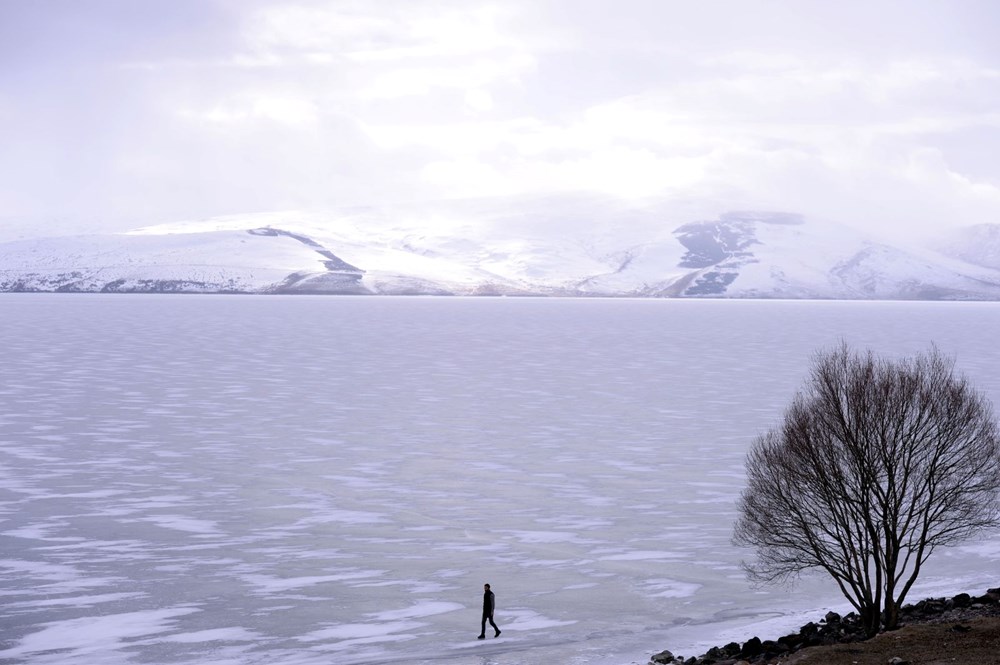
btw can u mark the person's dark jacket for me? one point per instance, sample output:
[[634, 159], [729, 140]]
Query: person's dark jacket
[[489, 603]]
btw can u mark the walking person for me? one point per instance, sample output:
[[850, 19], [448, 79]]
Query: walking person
[[489, 604]]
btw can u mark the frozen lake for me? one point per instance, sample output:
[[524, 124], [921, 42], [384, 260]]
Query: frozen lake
[[315, 480]]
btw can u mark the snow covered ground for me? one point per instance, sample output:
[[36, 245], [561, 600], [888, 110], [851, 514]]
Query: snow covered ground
[[243, 479]]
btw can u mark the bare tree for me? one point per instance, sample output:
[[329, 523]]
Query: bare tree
[[877, 463]]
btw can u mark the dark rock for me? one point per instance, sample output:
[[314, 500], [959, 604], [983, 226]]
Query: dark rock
[[751, 648], [716, 653], [834, 629], [662, 658], [792, 642]]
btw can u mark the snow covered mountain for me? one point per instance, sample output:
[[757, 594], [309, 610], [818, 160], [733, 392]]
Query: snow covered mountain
[[978, 245], [735, 255]]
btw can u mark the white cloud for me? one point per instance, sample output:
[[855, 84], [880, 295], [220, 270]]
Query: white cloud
[[478, 99], [823, 138], [464, 30], [291, 111], [383, 32], [479, 74], [315, 28], [309, 102]]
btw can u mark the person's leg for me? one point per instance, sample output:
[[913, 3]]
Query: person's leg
[[482, 630], [492, 623]]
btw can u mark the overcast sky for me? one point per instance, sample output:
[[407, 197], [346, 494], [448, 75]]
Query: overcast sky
[[131, 111]]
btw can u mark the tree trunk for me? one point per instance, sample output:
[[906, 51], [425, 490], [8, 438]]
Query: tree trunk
[[891, 614], [871, 620]]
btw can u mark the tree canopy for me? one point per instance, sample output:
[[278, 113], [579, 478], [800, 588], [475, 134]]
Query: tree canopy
[[877, 463]]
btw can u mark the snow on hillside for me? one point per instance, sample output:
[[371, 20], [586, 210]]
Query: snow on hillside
[[546, 250], [224, 260], [978, 245], [796, 260]]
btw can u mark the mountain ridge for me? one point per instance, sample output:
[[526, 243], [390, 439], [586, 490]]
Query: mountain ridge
[[738, 254]]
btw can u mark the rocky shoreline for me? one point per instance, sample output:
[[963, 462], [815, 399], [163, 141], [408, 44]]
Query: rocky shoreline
[[835, 629]]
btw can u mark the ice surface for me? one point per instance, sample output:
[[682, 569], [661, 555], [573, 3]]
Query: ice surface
[[214, 635], [87, 637], [296, 481]]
